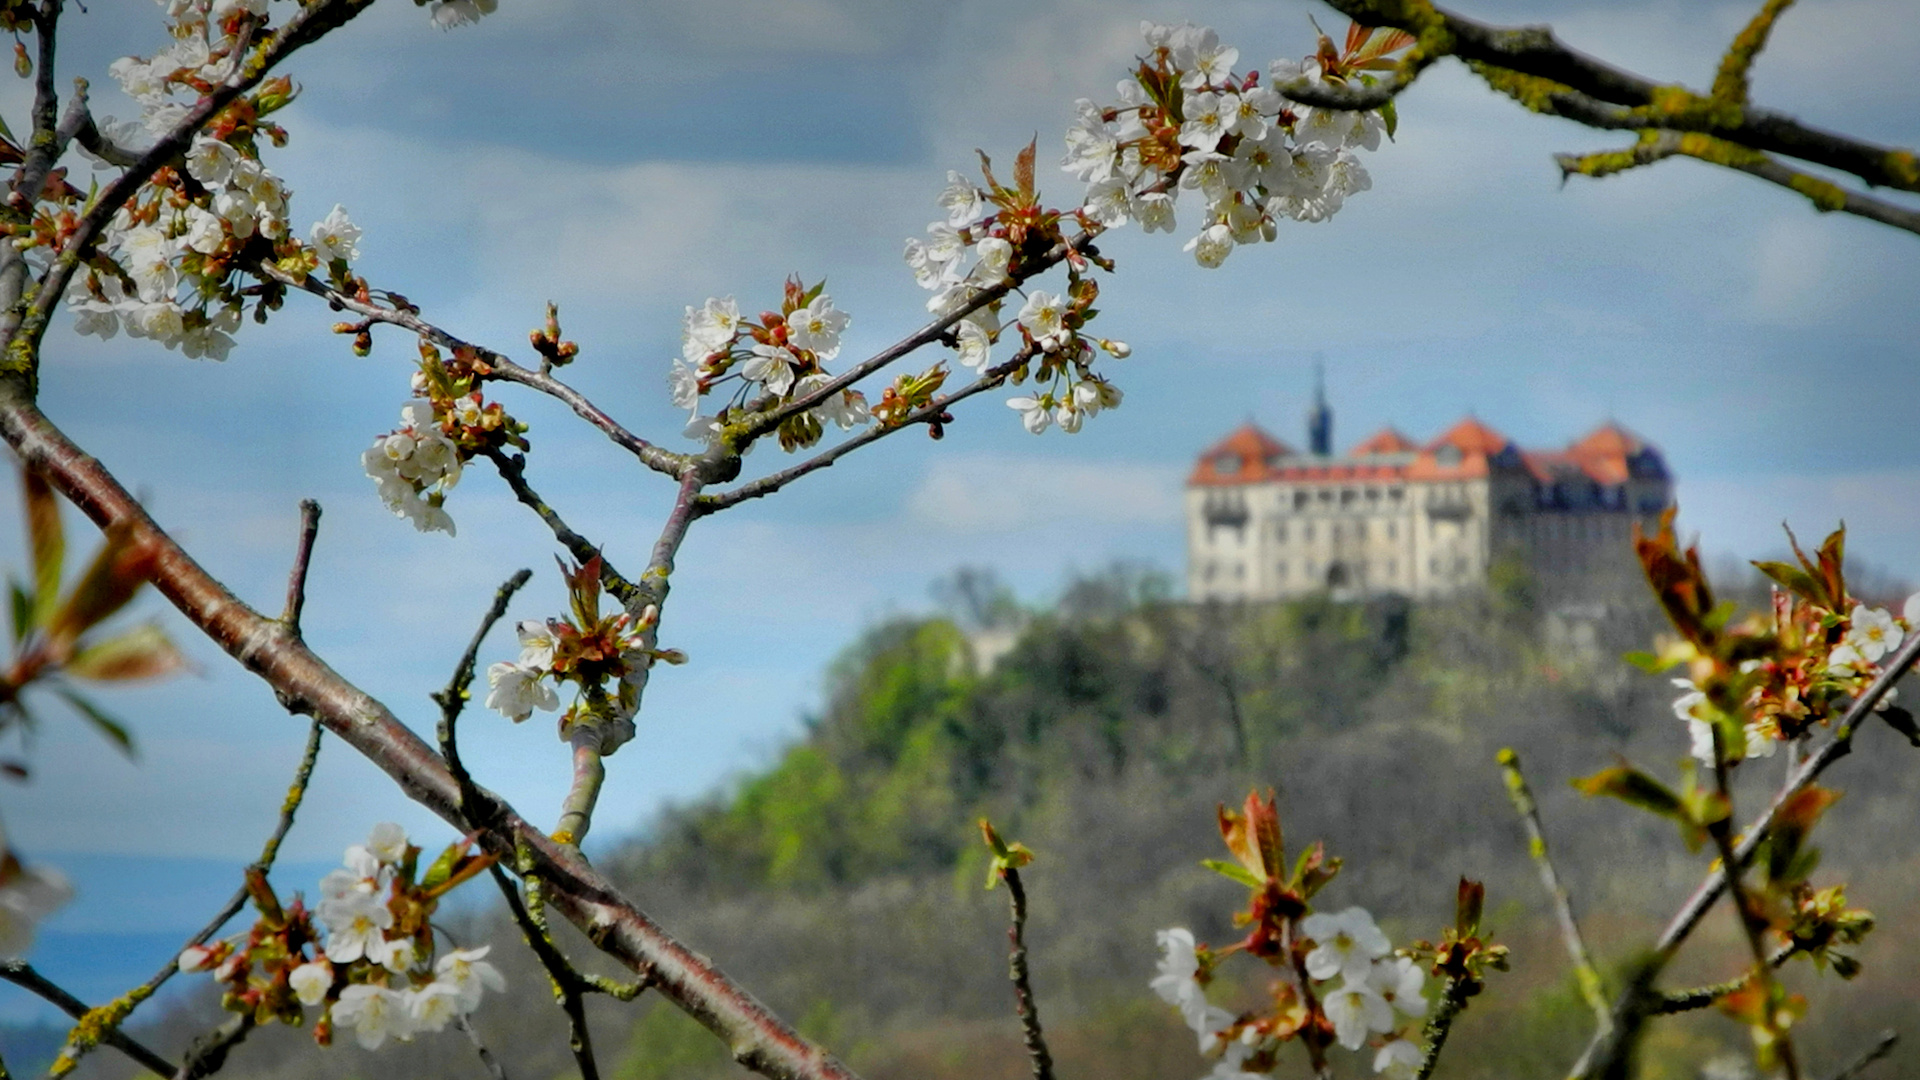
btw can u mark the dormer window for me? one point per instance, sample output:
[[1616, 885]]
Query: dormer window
[[1227, 464], [1448, 456]]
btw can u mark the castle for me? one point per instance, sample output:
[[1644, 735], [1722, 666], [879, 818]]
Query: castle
[[1266, 522]]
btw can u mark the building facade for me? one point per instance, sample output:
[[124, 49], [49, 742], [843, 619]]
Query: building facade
[[1266, 522]]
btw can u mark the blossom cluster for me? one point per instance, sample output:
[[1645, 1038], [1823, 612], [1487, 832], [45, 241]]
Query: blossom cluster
[[1340, 982], [987, 239], [364, 956], [1185, 121], [1820, 647], [1373, 1007], [603, 656], [776, 358], [418, 463]]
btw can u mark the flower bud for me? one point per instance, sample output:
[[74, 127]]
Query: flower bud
[[1119, 349]]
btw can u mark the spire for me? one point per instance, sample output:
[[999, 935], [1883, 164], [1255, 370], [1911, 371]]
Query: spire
[[1320, 417]]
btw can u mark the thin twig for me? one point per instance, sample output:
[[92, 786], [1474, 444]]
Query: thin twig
[[772, 482], [1880, 1049], [22, 974], [500, 367], [513, 469], [494, 1068], [1752, 926], [1592, 988], [1453, 999], [1024, 1004], [453, 700], [302, 556], [1679, 1001], [269, 851]]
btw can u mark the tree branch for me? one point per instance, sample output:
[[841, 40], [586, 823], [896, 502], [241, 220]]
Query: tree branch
[[1592, 988], [513, 469], [501, 368], [1599, 94], [22, 974], [772, 482], [1453, 999], [756, 1037], [1880, 1049]]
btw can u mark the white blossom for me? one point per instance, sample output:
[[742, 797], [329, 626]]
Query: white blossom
[[1154, 211], [974, 345], [536, 643], [1206, 121], [447, 14], [996, 255], [817, 327], [311, 981], [711, 326], [433, 1006], [1212, 246], [1206, 62], [467, 971], [375, 1014], [387, 843], [1345, 944], [1872, 631], [1398, 1060], [1043, 316], [1108, 203], [514, 691], [356, 928], [336, 237], [683, 382], [771, 365], [28, 894], [1398, 980], [1035, 413], [1356, 1011], [961, 200]]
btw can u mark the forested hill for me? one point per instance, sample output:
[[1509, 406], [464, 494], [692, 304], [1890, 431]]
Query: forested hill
[[843, 882]]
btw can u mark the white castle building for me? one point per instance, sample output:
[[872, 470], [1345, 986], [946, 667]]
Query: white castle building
[[1265, 521]]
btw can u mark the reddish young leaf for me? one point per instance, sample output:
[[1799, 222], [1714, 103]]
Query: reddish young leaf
[[46, 539]]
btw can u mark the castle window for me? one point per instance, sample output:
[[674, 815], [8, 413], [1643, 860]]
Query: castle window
[[1395, 493], [1307, 533], [1433, 566], [1226, 464], [1326, 495], [1393, 567], [1373, 494], [1280, 570], [1336, 532], [1239, 571], [1393, 531], [1359, 530], [1347, 495], [1280, 531], [1299, 500]]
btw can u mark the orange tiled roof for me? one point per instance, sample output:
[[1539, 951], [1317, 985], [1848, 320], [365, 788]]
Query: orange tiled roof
[[1384, 441], [1254, 449]]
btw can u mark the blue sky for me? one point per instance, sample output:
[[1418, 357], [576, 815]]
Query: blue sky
[[626, 160]]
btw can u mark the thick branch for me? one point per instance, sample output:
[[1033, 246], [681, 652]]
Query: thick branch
[[1605, 96], [758, 1039]]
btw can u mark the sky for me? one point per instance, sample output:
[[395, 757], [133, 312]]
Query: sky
[[627, 160]]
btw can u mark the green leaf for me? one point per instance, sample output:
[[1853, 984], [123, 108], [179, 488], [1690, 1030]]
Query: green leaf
[[442, 867], [1635, 787], [1392, 116], [22, 610], [1791, 578], [1234, 871], [1646, 661], [114, 730], [145, 652]]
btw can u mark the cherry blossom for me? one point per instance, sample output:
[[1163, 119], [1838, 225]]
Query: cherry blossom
[[311, 981], [1398, 1060], [1872, 631], [469, 974], [375, 1014], [1356, 1011], [515, 690], [1345, 944], [817, 327]]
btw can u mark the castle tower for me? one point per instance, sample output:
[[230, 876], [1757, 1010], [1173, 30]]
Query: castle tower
[[1320, 417]]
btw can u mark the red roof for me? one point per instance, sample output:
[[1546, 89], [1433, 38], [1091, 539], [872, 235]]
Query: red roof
[[1250, 453], [1470, 436], [1384, 441], [1603, 454]]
